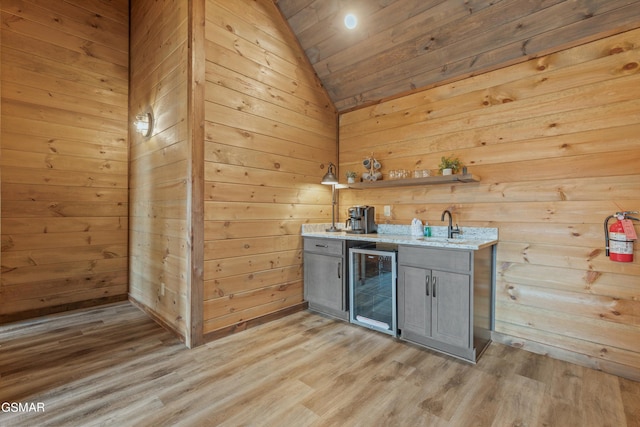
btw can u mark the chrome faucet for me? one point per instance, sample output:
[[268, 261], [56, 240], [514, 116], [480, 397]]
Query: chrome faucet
[[450, 230]]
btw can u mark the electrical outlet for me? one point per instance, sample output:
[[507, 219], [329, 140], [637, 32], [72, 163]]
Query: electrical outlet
[[387, 210]]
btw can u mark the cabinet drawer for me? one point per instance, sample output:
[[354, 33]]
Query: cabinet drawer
[[324, 246], [441, 259]]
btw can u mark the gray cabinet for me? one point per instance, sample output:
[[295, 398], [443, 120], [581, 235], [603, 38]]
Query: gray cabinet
[[444, 299], [414, 301], [434, 304], [324, 276]]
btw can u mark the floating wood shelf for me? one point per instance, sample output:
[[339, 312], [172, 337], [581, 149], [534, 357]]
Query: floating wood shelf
[[429, 180]]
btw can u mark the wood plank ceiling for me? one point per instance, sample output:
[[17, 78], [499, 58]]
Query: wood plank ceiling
[[403, 45]]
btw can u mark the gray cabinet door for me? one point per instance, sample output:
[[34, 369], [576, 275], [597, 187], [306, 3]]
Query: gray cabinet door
[[414, 302], [435, 305], [324, 281], [450, 316]]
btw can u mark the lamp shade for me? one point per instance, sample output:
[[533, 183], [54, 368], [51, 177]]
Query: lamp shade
[[330, 177]]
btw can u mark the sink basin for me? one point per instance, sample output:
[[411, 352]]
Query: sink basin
[[468, 243], [444, 240]]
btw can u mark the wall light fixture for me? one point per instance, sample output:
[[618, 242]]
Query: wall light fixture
[[144, 124]]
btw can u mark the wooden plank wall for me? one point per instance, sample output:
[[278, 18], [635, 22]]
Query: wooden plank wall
[[160, 165], [555, 142], [64, 68], [270, 133]]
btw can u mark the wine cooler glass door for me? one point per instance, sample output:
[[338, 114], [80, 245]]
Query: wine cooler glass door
[[372, 286]]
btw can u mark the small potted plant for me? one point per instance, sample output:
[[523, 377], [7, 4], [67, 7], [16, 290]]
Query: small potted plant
[[351, 177], [449, 165]]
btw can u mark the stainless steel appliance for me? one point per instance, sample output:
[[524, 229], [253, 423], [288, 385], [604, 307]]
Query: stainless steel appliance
[[362, 220], [372, 288], [356, 215]]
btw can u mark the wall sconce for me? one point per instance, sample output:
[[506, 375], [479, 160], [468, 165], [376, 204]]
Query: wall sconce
[[144, 124], [330, 179]]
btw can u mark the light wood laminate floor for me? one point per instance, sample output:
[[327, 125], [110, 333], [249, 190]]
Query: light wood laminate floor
[[114, 366]]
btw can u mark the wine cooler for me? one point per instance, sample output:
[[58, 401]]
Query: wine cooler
[[372, 288]]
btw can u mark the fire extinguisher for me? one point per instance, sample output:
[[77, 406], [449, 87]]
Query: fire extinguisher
[[619, 237]]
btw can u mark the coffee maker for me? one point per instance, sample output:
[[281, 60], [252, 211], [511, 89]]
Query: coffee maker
[[362, 220]]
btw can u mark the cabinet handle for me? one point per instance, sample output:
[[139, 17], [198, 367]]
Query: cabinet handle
[[427, 283], [339, 270], [321, 246], [434, 286]]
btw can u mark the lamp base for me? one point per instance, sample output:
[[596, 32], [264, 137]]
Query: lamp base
[[332, 229]]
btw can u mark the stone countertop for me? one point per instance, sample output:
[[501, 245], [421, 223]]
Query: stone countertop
[[471, 238]]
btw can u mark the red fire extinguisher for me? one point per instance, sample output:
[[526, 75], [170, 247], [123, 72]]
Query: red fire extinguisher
[[620, 236]]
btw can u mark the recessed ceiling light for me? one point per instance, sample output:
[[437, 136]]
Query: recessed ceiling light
[[350, 21]]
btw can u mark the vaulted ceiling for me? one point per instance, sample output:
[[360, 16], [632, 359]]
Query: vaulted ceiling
[[401, 45]]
